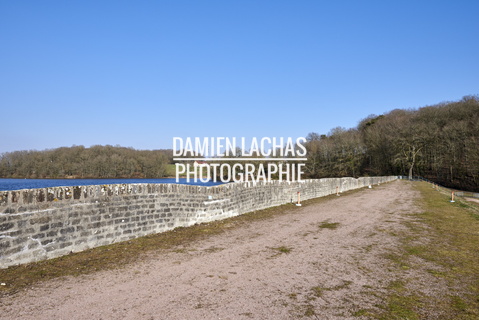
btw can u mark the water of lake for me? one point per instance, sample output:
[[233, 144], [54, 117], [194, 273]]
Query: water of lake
[[19, 184]]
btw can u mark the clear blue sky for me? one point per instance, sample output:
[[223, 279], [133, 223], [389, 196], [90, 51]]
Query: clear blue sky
[[138, 73]]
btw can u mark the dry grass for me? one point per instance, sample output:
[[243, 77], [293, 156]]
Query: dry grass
[[446, 236], [328, 225]]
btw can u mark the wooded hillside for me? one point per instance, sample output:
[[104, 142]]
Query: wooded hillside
[[439, 142], [80, 162]]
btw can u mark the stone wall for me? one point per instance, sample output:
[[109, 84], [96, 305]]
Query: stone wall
[[40, 224]]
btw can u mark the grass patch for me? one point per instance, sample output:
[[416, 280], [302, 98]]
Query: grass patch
[[459, 304], [283, 249], [317, 291], [342, 286], [361, 313], [329, 225], [437, 273], [214, 249], [401, 307], [416, 250], [448, 237], [293, 295], [396, 285], [309, 311], [400, 259]]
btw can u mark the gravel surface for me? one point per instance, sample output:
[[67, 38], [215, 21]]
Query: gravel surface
[[322, 261]]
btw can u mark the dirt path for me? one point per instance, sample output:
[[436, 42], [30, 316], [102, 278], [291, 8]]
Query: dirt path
[[472, 200], [322, 261]]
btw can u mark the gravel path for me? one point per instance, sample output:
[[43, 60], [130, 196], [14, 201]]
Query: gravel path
[[323, 261]]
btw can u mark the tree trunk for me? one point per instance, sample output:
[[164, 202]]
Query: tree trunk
[[413, 161]]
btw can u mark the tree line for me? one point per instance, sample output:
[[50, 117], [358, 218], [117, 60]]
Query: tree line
[[80, 162], [438, 142]]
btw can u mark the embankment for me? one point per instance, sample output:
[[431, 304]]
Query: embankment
[[40, 224]]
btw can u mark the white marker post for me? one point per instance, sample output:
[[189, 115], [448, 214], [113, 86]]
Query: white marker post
[[452, 196], [299, 199]]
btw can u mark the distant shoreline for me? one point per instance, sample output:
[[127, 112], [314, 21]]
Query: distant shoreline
[[89, 178], [14, 184]]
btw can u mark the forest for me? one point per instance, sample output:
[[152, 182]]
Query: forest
[[438, 142], [80, 162]]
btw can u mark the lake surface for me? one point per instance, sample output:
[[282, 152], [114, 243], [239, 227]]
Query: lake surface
[[19, 184]]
